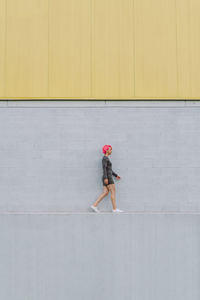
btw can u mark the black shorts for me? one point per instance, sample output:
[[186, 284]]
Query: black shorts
[[110, 181]]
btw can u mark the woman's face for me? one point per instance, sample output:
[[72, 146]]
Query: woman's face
[[109, 151]]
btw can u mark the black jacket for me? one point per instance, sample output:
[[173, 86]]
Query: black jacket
[[107, 168]]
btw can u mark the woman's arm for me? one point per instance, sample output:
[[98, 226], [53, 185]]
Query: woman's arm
[[114, 174]]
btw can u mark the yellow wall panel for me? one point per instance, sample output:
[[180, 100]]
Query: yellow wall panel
[[99, 49], [183, 47], [155, 49], [188, 35], [27, 48], [70, 48], [195, 47], [2, 46], [113, 49]]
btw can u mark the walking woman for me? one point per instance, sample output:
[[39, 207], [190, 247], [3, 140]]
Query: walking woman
[[107, 180]]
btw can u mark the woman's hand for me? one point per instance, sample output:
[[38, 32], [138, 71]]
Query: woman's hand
[[106, 181], [118, 177]]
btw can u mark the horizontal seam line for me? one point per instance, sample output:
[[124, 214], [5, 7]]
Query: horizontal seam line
[[101, 212]]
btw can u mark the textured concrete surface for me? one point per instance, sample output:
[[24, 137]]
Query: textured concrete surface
[[100, 257], [50, 154], [50, 160]]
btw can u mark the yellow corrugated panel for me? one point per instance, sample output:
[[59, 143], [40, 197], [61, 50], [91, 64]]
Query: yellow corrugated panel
[[155, 49], [113, 49], [99, 49], [70, 48], [2, 46], [188, 35], [27, 48]]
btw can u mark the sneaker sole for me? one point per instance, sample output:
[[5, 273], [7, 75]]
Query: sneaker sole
[[94, 210]]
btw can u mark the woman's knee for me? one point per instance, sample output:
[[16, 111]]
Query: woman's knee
[[106, 191]]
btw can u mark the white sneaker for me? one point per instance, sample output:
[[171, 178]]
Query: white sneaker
[[117, 210], [95, 208]]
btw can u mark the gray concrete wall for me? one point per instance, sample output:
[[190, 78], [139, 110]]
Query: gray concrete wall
[[50, 154], [52, 247], [100, 257]]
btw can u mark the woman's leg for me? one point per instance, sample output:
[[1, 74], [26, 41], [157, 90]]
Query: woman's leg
[[111, 188], [105, 193]]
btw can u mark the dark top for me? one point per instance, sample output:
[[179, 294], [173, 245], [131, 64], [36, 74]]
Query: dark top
[[107, 168]]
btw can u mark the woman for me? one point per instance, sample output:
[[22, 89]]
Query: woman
[[108, 183]]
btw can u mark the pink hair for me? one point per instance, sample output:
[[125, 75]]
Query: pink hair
[[105, 148]]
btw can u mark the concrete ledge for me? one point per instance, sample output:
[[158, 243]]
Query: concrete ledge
[[101, 213], [99, 103]]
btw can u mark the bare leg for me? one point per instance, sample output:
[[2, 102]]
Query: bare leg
[[105, 193], [111, 188]]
